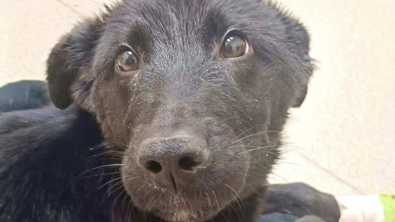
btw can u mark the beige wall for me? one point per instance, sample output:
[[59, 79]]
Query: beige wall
[[347, 124]]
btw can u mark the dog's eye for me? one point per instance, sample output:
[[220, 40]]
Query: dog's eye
[[127, 61], [234, 46]]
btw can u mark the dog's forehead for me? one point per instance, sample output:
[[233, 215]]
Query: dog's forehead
[[187, 19], [165, 30], [169, 19]]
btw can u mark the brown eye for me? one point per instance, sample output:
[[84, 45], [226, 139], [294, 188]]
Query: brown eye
[[234, 46], [127, 61]]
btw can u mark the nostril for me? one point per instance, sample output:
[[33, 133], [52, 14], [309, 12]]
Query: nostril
[[153, 166], [188, 163]]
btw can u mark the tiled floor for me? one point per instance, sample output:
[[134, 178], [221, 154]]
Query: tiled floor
[[341, 141]]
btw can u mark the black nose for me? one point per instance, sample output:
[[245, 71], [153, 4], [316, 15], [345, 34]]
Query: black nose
[[173, 161]]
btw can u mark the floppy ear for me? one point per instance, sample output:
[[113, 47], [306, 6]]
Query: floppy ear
[[297, 42], [69, 64], [300, 46], [302, 95]]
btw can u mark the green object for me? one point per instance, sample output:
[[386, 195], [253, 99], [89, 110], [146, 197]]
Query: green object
[[388, 202]]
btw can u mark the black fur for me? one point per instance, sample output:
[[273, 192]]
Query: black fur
[[79, 164]]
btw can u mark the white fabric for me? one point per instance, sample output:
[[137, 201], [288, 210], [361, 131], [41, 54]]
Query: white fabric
[[361, 209]]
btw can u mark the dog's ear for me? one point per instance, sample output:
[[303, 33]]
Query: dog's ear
[[301, 97], [70, 61], [297, 42]]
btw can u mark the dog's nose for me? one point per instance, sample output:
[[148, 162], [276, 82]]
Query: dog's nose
[[173, 160]]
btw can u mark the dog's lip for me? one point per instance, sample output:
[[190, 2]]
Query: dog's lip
[[172, 207], [184, 206], [171, 210]]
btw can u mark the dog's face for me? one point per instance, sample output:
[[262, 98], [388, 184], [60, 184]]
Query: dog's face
[[195, 93]]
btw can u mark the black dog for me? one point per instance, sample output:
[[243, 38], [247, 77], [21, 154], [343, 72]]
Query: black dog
[[177, 116]]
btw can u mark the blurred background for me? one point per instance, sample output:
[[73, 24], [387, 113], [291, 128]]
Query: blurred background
[[342, 140]]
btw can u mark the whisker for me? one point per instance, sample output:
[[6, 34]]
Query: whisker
[[209, 203], [282, 162], [102, 174], [150, 203], [253, 175], [260, 125], [87, 171], [242, 133], [116, 199], [258, 148], [118, 186], [253, 189], [96, 3], [131, 208], [105, 153], [119, 178], [216, 200], [238, 215], [237, 195], [110, 191], [123, 201], [279, 177], [255, 134], [291, 145], [226, 218]]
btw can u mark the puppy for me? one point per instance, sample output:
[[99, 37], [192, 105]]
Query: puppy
[[166, 110]]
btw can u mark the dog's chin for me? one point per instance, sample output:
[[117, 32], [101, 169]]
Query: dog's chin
[[185, 215], [196, 207], [186, 211]]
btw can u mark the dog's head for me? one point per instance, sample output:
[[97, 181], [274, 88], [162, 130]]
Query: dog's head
[[195, 93]]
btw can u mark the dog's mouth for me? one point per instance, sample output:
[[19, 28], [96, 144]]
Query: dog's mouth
[[179, 216], [186, 212], [190, 204]]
